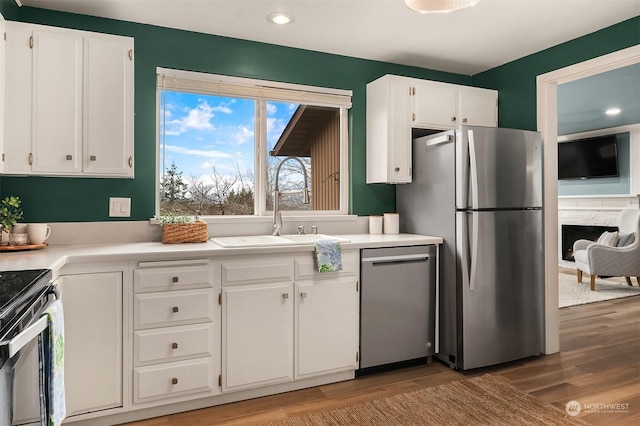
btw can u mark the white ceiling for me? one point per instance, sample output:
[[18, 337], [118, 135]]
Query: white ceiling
[[468, 41]]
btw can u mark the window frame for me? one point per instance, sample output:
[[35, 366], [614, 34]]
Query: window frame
[[261, 91]]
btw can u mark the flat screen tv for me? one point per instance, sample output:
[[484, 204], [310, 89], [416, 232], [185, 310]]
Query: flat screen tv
[[588, 158]]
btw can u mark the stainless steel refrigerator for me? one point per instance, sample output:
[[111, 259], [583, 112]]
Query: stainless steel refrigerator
[[480, 188]]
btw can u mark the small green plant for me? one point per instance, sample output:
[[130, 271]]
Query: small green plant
[[171, 218], [10, 212]]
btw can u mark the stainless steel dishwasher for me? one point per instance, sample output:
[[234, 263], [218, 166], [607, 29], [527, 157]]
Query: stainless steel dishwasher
[[397, 305]]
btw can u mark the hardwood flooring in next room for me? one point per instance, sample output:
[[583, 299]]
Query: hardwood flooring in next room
[[598, 363]]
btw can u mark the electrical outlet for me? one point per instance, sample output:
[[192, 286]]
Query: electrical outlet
[[119, 207]]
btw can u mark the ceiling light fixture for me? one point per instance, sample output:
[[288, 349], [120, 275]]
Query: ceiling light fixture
[[280, 18], [613, 111], [438, 6]]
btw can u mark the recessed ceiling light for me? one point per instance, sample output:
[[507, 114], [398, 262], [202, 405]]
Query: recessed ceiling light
[[280, 18], [438, 6], [613, 111]]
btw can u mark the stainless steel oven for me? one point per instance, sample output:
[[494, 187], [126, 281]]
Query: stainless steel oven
[[24, 297]]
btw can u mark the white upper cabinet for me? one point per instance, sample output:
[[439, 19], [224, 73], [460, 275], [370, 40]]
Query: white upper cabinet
[[71, 96], [389, 130], [396, 105]]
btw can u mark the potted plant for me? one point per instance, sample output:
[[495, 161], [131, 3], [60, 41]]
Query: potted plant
[[10, 213], [183, 229]]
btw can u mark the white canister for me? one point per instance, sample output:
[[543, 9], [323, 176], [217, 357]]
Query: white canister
[[391, 223], [375, 224]]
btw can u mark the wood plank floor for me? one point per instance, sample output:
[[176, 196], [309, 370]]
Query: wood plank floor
[[598, 363]]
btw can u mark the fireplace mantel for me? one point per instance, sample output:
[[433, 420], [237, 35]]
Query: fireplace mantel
[[598, 202]]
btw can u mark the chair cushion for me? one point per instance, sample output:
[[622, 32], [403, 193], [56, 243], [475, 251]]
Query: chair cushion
[[581, 256], [626, 239], [608, 239]]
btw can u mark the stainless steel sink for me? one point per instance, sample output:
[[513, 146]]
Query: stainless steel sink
[[271, 240]]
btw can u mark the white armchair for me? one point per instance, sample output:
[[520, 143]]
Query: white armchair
[[599, 259]]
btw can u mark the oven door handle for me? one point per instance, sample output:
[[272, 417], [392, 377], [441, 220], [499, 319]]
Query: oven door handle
[[21, 340]]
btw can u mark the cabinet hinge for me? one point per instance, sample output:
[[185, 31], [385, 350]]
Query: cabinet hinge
[[30, 159], [130, 161], [220, 298], [409, 171], [357, 286], [5, 36], [31, 42], [3, 156], [357, 356], [219, 379], [131, 54], [413, 116]]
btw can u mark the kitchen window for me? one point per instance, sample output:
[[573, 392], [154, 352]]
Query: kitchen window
[[221, 140]]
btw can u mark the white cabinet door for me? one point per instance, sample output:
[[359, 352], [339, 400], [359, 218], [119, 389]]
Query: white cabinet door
[[108, 106], [257, 335], [326, 327], [57, 102], [478, 107], [92, 306], [435, 105], [18, 100], [389, 130]]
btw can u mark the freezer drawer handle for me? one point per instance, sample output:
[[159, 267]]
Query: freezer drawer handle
[[439, 140], [396, 259]]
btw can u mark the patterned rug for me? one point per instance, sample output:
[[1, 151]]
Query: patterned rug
[[483, 400], [571, 293]]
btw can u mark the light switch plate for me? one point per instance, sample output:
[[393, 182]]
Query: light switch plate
[[119, 207]]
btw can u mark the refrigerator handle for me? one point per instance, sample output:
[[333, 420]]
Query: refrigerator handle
[[463, 244], [473, 173], [474, 250]]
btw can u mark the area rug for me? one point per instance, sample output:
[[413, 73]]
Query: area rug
[[483, 400], [571, 293]]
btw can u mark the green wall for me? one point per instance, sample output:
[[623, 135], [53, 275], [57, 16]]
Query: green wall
[[516, 81], [86, 199]]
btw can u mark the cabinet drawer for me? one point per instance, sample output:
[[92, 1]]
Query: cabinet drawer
[[173, 379], [172, 278], [305, 266], [263, 269], [172, 308], [173, 343]]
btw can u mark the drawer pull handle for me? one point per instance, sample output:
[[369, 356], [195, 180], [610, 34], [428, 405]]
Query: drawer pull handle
[[69, 157], [174, 381], [175, 309], [453, 119], [285, 295], [92, 158], [174, 345], [175, 279], [303, 295]]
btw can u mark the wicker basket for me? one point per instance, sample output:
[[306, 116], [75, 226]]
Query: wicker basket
[[195, 232]]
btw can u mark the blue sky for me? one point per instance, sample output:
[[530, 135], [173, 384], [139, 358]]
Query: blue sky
[[203, 132]]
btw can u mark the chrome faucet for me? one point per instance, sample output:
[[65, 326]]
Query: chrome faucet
[[277, 216]]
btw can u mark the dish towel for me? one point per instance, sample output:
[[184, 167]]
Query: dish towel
[[328, 255], [53, 365]]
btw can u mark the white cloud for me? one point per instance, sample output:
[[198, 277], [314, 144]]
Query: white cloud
[[198, 118], [196, 152], [243, 135], [271, 108]]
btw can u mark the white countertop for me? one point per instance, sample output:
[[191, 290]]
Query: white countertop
[[54, 257]]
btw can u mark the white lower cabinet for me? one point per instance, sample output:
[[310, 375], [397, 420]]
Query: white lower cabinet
[[326, 327], [176, 330], [257, 335], [92, 306], [287, 323]]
